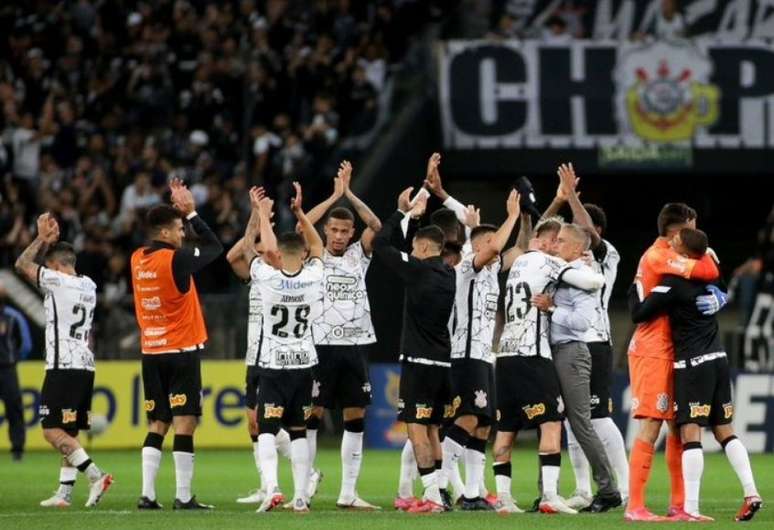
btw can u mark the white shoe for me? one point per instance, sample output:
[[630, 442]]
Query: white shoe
[[507, 505], [58, 500], [98, 488], [579, 500], [315, 477], [356, 503], [254, 497], [555, 504], [270, 502], [300, 505]]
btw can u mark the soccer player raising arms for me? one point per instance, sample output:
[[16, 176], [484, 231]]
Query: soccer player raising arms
[[172, 337], [701, 377], [651, 354], [291, 293], [65, 405], [342, 332], [425, 342]]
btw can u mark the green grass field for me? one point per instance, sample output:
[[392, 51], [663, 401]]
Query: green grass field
[[221, 476]]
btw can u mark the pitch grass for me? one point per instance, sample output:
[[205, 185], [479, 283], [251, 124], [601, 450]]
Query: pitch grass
[[222, 476]]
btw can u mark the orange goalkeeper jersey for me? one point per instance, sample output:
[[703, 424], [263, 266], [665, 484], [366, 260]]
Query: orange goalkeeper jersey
[[654, 338]]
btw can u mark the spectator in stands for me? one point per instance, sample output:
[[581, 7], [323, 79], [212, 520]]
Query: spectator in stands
[[667, 24]]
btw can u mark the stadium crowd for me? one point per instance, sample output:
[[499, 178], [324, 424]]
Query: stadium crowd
[[104, 102]]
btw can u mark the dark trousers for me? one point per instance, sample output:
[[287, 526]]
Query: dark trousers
[[14, 415]]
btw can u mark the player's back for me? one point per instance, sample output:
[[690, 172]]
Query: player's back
[[290, 304], [475, 308], [526, 330], [69, 302], [693, 333]]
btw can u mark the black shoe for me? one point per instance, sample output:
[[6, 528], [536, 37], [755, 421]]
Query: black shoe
[[193, 504], [17, 455], [603, 503], [476, 505], [146, 504], [447, 500], [535, 506]]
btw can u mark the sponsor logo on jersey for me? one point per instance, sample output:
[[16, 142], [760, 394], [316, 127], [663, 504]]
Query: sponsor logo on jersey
[[559, 405], [728, 410], [292, 299], [294, 284], [338, 288], [155, 342], [480, 401], [662, 402], [594, 400], [449, 411], [177, 400], [366, 388], [490, 306], [699, 410], [423, 412], [341, 332], [677, 264], [146, 275], [43, 411], [69, 416], [149, 405], [635, 403], [270, 411], [151, 304], [532, 411], [400, 405], [154, 332]]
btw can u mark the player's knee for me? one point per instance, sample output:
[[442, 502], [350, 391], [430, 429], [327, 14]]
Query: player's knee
[[351, 413], [158, 427], [185, 425], [467, 422], [649, 430], [723, 434]]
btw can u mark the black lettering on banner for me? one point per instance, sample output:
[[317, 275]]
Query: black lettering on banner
[[301, 319]]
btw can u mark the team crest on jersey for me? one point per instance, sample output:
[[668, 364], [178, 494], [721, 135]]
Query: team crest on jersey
[[480, 400], [149, 405], [700, 411], [315, 389], [423, 412], [559, 405], [635, 403], [69, 416], [177, 400], [534, 410], [43, 411], [449, 411], [270, 411], [662, 402], [728, 410]]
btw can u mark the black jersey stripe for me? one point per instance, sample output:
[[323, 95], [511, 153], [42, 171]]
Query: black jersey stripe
[[469, 338], [56, 331]]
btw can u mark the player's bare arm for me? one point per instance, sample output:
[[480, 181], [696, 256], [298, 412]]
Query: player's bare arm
[[502, 235], [569, 181], [312, 237], [48, 233], [237, 254], [316, 214], [372, 222]]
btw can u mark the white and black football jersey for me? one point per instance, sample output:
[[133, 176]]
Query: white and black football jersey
[[346, 316], [608, 267], [526, 330], [290, 304], [475, 307], [69, 303], [254, 316]]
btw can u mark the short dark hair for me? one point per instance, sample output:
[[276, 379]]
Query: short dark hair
[[431, 233], [62, 252], [161, 216], [598, 216], [674, 213], [291, 242], [447, 221], [340, 212], [481, 230], [695, 241], [552, 224], [451, 248]]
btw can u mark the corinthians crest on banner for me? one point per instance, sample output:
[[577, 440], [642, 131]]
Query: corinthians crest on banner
[[664, 92]]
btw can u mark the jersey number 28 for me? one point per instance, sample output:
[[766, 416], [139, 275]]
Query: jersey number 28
[[301, 316]]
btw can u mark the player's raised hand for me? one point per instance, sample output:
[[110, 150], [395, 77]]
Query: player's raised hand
[[266, 207], [419, 207], [513, 204], [48, 228], [472, 216], [568, 181], [345, 175], [295, 202], [181, 196], [256, 195], [404, 200], [433, 177]]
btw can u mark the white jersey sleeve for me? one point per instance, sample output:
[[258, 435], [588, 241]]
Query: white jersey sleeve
[[69, 302], [346, 312], [254, 316], [290, 304], [474, 311], [526, 330]]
